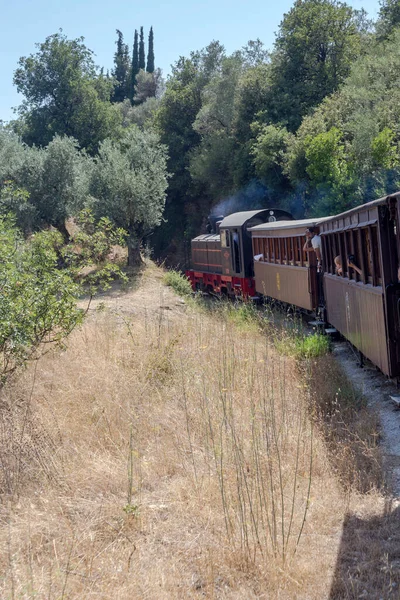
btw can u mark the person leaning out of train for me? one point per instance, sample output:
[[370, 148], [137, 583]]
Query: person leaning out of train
[[313, 244]]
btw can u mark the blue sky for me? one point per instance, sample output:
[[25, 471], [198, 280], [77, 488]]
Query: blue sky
[[179, 27]]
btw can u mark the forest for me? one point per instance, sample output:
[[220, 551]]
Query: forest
[[310, 125]]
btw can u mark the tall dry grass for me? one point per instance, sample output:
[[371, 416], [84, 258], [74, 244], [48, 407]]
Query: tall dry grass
[[164, 455]]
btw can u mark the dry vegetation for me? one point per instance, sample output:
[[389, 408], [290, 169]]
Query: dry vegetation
[[165, 456]]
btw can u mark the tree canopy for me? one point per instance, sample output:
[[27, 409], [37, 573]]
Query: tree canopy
[[64, 94]]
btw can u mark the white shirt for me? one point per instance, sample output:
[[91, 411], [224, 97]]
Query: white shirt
[[316, 241]]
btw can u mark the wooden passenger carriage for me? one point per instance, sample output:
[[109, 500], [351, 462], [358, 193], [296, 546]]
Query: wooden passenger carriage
[[365, 306], [282, 269]]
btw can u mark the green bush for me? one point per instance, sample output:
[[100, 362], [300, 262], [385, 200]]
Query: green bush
[[179, 283], [38, 301], [301, 346]]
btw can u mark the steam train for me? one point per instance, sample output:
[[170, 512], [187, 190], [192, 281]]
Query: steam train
[[260, 253]]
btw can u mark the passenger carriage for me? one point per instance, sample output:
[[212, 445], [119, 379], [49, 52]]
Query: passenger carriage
[[365, 306], [282, 270]]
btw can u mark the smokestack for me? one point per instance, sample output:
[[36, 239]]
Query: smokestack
[[215, 221]]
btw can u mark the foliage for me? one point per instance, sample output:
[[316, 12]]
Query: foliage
[[90, 250], [347, 151], [15, 201], [302, 347], [57, 180], [269, 151], [148, 85], [95, 240], [150, 53], [317, 42], [141, 115], [128, 185], [121, 70], [142, 58], [64, 95], [134, 67], [179, 283], [389, 17], [38, 301], [384, 150], [175, 118]]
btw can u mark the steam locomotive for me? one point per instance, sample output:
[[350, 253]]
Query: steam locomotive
[[260, 253]]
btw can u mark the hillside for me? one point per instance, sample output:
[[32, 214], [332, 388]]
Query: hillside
[[171, 452]]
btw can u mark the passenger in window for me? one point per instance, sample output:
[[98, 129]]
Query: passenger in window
[[338, 265], [313, 244]]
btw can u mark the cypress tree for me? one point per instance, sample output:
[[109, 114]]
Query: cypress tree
[[142, 58], [150, 54], [121, 69], [135, 66]]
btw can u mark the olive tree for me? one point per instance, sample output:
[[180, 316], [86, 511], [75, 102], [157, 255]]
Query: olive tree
[[128, 185]]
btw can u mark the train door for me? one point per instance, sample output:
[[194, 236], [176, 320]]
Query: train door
[[226, 245], [236, 252]]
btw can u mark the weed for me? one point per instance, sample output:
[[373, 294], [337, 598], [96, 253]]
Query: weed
[[302, 346], [179, 283], [131, 509]]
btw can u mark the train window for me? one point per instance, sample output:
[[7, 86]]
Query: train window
[[300, 251], [293, 246], [255, 246], [266, 249], [224, 238], [343, 252], [271, 250], [282, 250], [276, 248], [366, 245], [377, 277]]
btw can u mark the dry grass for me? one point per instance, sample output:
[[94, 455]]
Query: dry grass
[[164, 456]]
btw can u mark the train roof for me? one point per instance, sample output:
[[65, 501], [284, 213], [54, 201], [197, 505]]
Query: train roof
[[300, 224], [367, 206], [210, 237], [240, 218]]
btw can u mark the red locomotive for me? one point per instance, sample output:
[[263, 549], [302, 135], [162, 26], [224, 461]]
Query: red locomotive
[[222, 261]]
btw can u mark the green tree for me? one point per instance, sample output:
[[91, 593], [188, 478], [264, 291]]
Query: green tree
[[128, 185], [147, 85], [389, 17], [269, 154], [325, 154], [141, 115], [211, 162], [121, 70], [177, 113], [317, 43], [56, 179], [65, 95], [15, 201], [385, 150], [150, 53], [134, 67], [142, 55]]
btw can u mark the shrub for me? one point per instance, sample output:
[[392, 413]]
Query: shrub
[[300, 346], [179, 283]]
